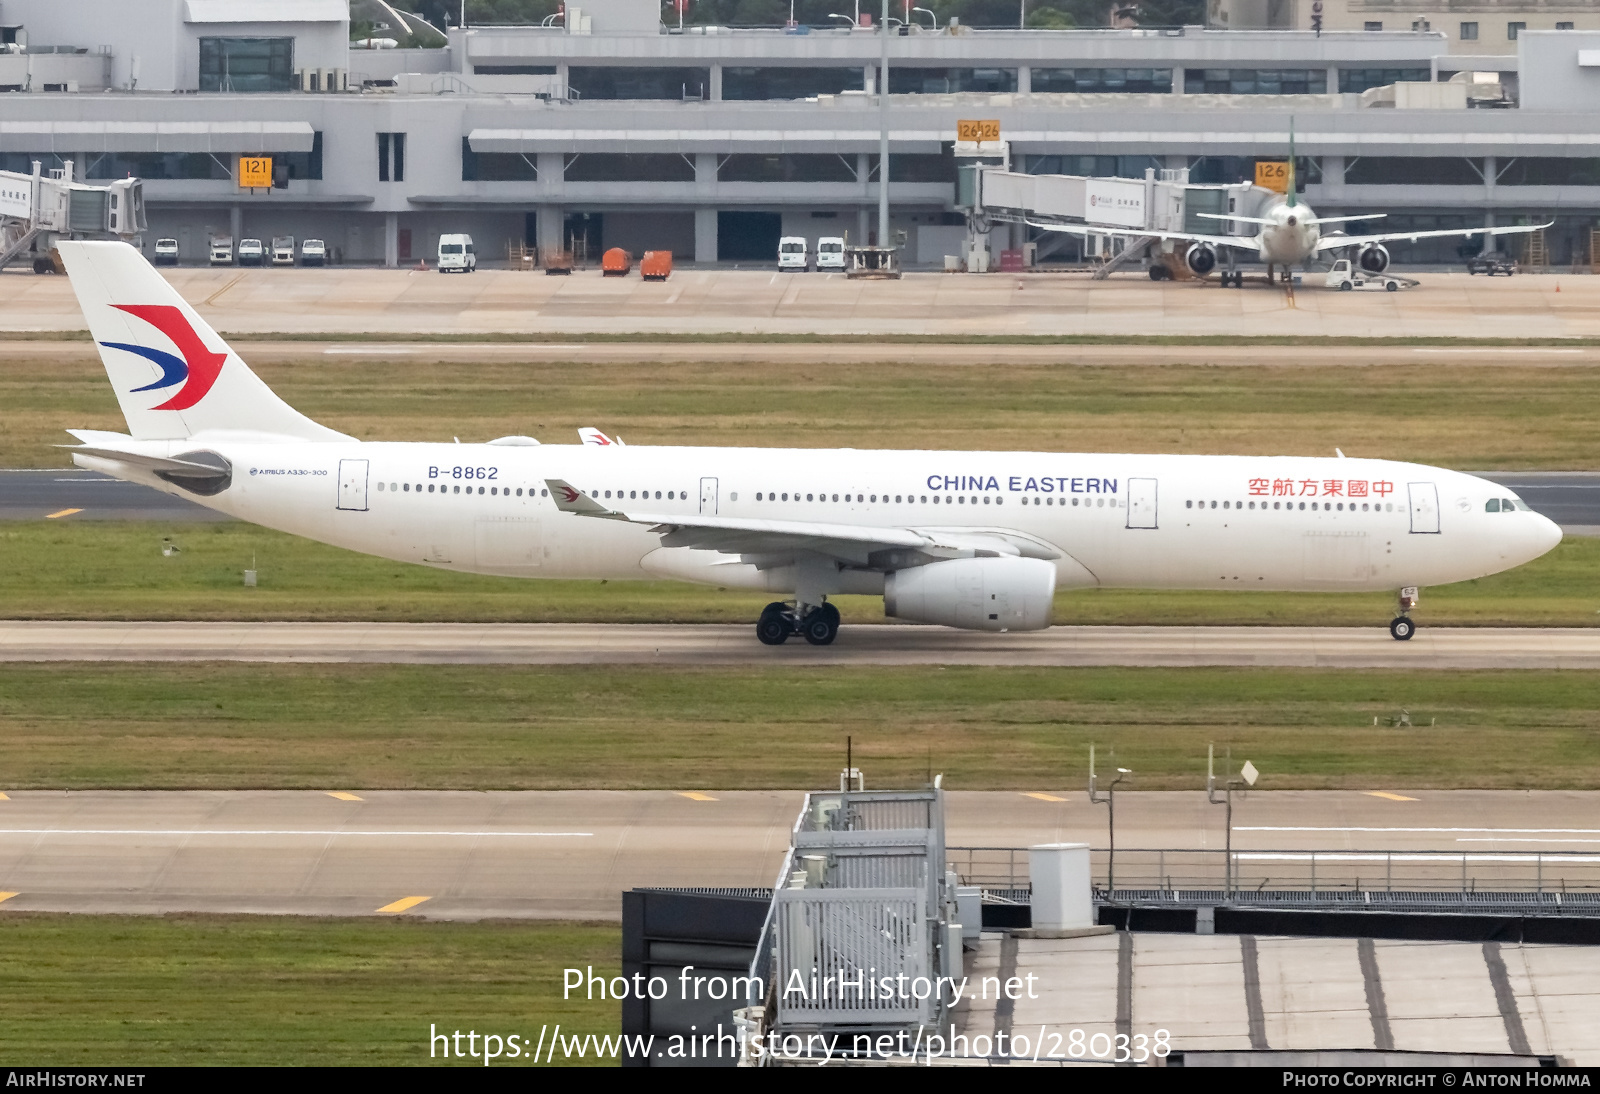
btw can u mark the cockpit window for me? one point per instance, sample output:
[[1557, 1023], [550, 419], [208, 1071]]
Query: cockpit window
[[1507, 503], [1493, 506]]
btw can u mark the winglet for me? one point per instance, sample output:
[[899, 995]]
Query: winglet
[[569, 499]]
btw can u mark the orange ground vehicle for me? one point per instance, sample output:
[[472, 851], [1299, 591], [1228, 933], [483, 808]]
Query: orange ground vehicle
[[656, 265], [616, 263]]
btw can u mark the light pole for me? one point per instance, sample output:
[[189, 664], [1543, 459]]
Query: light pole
[[1248, 775], [883, 129], [1110, 801], [845, 18], [929, 14]]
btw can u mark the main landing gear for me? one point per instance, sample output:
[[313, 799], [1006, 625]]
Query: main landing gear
[[819, 626], [1401, 628]]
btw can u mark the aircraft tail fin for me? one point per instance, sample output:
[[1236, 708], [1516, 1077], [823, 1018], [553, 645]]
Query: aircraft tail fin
[[1290, 198], [174, 376]]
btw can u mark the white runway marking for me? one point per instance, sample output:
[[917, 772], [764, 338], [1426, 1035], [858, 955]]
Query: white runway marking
[[319, 832], [1518, 831], [1495, 350], [1408, 856]]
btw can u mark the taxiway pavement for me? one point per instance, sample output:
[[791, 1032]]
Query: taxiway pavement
[[735, 644], [568, 854], [762, 301]]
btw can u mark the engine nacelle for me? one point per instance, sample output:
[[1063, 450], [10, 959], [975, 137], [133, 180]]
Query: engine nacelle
[[1202, 258], [1374, 258], [980, 594]]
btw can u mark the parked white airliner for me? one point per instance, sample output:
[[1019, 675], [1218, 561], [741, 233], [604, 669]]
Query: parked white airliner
[[1289, 234], [980, 540]]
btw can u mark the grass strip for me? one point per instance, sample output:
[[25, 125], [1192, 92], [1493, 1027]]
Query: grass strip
[[75, 569], [243, 726], [1187, 401], [778, 338], [130, 992]]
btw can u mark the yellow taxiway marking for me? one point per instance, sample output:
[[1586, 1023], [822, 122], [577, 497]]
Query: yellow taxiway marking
[[696, 795], [405, 903], [344, 796], [1391, 797], [1042, 797], [61, 513], [6, 896]]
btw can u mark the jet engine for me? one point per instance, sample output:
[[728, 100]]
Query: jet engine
[[1374, 258], [1202, 258], [982, 594]]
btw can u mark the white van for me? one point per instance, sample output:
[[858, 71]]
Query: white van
[[830, 253], [251, 252], [283, 250], [792, 253], [166, 252], [456, 254], [313, 252], [221, 250]]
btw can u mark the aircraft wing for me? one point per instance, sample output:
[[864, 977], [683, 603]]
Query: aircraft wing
[[780, 540], [1243, 243], [1339, 243]]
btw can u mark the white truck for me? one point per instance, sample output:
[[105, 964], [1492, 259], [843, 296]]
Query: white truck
[[166, 252], [792, 254], [283, 250], [221, 250], [313, 252], [1345, 277], [830, 253]]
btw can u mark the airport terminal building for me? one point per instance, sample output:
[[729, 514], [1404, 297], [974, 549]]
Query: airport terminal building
[[713, 142]]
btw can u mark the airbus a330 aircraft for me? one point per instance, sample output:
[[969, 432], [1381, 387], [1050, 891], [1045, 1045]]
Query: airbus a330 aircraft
[[980, 540], [1289, 234]]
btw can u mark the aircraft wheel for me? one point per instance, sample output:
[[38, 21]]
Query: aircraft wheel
[[820, 628], [1401, 628], [774, 627]]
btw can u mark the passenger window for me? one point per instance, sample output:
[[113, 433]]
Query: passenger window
[[633, 493], [836, 497], [380, 487]]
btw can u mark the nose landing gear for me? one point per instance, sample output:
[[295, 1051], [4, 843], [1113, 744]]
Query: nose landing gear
[[1401, 628], [819, 626]]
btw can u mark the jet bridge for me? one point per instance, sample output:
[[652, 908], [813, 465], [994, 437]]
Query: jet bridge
[[1118, 211], [38, 209]]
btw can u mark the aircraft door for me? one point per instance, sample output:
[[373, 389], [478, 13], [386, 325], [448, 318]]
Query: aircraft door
[[353, 485], [1424, 508], [708, 497], [1141, 503]]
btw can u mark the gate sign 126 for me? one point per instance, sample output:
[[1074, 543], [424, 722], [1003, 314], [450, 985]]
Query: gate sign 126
[[985, 130]]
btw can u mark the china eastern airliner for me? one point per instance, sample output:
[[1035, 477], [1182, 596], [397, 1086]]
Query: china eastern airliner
[[979, 540]]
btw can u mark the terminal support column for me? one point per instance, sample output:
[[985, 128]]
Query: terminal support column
[[391, 240], [550, 222], [705, 217]]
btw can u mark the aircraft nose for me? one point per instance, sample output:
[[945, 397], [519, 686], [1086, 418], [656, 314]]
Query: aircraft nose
[[1546, 534]]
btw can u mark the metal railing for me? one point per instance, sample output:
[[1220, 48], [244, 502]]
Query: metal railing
[[1559, 881], [860, 894]]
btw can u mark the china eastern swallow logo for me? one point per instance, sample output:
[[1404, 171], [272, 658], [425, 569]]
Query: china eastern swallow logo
[[196, 370], [569, 495]]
